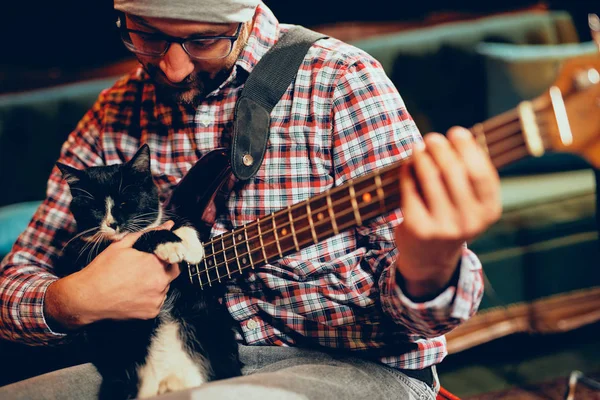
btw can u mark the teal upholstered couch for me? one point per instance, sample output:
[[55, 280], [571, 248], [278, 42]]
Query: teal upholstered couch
[[539, 259]]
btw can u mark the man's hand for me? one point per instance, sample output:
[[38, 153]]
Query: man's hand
[[120, 283], [450, 195]]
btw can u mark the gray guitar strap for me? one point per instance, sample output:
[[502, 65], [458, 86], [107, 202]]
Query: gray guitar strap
[[264, 87]]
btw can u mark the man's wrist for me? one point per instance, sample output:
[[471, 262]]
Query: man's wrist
[[62, 306], [426, 289]]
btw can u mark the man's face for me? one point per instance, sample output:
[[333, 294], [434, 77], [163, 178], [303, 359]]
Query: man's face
[[179, 77]]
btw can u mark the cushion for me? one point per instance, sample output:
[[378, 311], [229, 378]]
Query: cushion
[[13, 220], [33, 127]]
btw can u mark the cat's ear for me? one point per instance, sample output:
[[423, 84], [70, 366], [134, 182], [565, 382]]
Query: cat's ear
[[70, 174], [140, 162]]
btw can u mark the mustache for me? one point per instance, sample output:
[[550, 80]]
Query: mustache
[[159, 76]]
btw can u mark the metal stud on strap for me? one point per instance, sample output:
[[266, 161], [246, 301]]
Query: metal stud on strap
[[248, 160]]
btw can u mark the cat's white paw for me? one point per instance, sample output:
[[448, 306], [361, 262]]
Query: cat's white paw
[[172, 252], [194, 252], [171, 383]]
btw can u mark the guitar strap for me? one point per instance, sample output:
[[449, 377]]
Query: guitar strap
[[263, 89]]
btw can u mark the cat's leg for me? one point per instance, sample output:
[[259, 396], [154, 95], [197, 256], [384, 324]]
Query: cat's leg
[[194, 249], [165, 244], [176, 246], [168, 366]]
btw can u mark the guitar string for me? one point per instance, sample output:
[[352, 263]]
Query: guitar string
[[386, 185], [247, 242], [499, 153], [517, 151], [205, 272], [539, 105]]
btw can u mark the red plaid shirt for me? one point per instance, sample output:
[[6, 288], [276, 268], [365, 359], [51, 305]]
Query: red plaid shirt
[[341, 118]]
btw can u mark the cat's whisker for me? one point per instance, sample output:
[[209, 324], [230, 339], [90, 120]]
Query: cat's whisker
[[81, 234], [87, 246], [99, 238], [84, 191]]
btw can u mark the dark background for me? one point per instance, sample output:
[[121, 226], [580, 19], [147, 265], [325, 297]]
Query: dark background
[[67, 33]]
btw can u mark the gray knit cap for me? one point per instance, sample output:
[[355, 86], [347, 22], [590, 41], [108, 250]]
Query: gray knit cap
[[217, 11]]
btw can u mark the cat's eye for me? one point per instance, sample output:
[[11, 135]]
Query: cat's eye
[[123, 203]]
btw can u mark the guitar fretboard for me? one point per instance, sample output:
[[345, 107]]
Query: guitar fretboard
[[306, 223], [284, 232]]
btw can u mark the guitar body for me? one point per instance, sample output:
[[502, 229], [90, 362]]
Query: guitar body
[[202, 191]]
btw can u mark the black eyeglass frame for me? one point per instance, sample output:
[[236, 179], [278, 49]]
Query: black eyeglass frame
[[122, 25]]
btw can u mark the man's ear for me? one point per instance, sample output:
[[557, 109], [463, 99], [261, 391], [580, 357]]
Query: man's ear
[[140, 162], [70, 174]]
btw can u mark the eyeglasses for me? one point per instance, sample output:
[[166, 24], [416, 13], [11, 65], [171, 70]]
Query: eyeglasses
[[157, 44]]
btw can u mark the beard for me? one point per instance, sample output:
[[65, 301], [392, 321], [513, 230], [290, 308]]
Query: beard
[[190, 91]]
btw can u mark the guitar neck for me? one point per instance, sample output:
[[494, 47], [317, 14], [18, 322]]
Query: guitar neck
[[506, 138]]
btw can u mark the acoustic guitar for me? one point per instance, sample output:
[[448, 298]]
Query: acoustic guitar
[[564, 119]]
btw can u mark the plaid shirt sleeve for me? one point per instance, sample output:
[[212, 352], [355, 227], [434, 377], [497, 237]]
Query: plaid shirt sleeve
[[372, 128], [26, 272]]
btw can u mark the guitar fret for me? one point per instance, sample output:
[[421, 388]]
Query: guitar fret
[[248, 247], [237, 256], [262, 245], [331, 215], [293, 228], [225, 256], [207, 274], [530, 128], [354, 204], [276, 235], [380, 195], [193, 271], [311, 223], [212, 244]]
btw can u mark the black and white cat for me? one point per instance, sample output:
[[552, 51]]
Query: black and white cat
[[192, 340]]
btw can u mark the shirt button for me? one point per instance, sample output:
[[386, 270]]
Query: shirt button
[[205, 121], [251, 324]]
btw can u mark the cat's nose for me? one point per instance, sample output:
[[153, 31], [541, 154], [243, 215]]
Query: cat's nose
[[113, 225]]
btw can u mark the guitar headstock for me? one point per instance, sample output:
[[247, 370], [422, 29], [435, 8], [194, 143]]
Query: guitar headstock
[[573, 109]]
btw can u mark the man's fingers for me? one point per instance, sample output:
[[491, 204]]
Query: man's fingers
[[130, 239], [172, 271], [167, 225], [414, 210], [452, 169], [483, 175], [430, 181]]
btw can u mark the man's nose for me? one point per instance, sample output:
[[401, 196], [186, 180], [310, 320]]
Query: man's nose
[[176, 64]]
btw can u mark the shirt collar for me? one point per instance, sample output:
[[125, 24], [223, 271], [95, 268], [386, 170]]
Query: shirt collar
[[265, 33]]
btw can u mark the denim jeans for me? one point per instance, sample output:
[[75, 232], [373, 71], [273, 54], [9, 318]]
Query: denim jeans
[[270, 373]]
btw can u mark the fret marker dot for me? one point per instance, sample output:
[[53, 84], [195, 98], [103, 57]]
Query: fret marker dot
[[239, 237], [366, 197], [320, 216], [244, 261], [210, 262], [283, 232]]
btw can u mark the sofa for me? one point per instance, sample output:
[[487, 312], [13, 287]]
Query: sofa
[[539, 259]]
